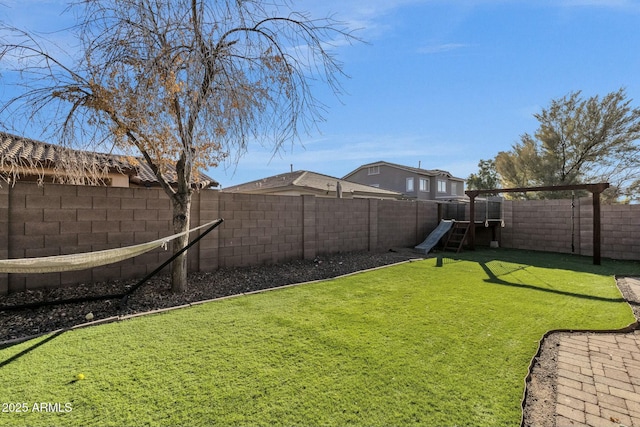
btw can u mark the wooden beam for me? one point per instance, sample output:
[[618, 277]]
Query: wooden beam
[[600, 187], [472, 222], [596, 227]]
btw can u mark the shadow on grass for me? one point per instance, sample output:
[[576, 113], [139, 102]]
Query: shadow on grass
[[497, 281], [521, 260], [553, 260], [29, 349]]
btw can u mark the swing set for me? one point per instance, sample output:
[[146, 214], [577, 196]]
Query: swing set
[[594, 189]]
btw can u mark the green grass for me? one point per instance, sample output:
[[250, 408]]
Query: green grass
[[413, 344]]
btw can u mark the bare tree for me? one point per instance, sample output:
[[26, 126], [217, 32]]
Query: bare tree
[[181, 83]]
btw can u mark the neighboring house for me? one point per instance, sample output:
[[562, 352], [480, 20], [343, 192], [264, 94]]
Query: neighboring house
[[23, 159], [311, 183], [413, 183]]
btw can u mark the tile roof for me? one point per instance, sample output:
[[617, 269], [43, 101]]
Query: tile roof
[[19, 152], [276, 181], [28, 152], [309, 180]]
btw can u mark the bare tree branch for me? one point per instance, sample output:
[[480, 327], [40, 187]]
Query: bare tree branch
[[182, 83]]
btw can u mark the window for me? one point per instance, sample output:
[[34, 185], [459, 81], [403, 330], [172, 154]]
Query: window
[[424, 185], [442, 186], [409, 184], [374, 170], [454, 188]]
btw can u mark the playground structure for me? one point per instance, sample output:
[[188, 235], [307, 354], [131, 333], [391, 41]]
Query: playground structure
[[434, 237], [454, 225], [459, 228]]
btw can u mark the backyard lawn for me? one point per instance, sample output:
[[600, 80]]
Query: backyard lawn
[[412, 344]]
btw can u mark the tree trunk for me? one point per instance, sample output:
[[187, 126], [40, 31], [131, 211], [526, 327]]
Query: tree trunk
[[181, 215]]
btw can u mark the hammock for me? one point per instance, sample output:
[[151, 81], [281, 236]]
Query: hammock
[[81, 261]]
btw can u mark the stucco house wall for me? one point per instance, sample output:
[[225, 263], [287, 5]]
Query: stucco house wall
[[407, 180]]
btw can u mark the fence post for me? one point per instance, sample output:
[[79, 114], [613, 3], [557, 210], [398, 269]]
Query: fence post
[[208, 250], [4, 234], [309, 232], [373, 224]]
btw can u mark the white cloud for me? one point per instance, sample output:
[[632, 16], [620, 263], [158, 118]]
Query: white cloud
[[365, 15]]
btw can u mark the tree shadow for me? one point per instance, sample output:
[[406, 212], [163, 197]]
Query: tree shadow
[[499, 262], [494, 279], [29, 349], [553, 260]]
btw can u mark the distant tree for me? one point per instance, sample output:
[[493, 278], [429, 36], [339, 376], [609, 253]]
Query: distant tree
[[519, 167], [486, 178], [181, 83], [579, 141]]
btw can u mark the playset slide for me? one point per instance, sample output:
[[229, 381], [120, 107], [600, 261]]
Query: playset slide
[[435, 236]]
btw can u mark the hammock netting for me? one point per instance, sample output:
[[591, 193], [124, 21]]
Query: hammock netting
[[86, 260]]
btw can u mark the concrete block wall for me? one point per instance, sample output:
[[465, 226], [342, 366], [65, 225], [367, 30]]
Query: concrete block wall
[[543, 225], [256, 230], [342, 225], [207, 248], [620, 231], [59, 219], [547, 225], [404, 223], [427, 220]]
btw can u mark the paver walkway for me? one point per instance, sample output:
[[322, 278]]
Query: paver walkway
[[599, 377]]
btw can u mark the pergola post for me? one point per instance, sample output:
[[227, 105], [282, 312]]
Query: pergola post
[[472, 218], [596, 228], [595, 190]]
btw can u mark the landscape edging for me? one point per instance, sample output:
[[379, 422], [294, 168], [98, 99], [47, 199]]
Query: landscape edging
[[15, 341]]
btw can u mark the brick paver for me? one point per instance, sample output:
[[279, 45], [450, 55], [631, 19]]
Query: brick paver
[[599, 377], [611, 395]]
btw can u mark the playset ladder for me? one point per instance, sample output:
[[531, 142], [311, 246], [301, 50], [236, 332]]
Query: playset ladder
[[457, 235]]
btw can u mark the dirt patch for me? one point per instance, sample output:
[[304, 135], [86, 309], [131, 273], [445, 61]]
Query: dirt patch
[[541, 391], [539, 407]]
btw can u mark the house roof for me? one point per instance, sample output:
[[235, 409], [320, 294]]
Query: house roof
[[19, 154], [419, 171], [312, 181]]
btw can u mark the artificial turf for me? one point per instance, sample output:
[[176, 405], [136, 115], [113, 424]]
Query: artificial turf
[[413, 344]]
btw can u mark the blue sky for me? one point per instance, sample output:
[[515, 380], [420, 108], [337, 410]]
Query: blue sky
[[442, 82]]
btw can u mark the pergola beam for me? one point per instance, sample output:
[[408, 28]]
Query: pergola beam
[[594, 189]]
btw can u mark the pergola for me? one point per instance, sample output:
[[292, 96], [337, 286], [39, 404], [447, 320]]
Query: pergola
[[595, 190]]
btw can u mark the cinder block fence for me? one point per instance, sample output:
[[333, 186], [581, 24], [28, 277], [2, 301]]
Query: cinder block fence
[[60, 219], [567, 227]]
